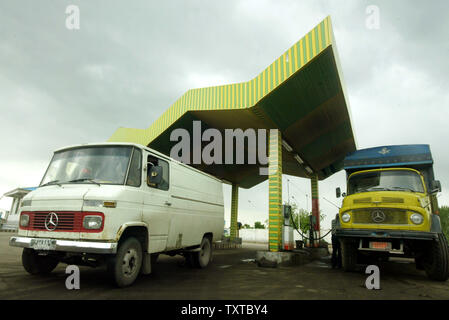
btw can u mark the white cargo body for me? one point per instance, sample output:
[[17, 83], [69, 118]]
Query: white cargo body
[[95, 197]]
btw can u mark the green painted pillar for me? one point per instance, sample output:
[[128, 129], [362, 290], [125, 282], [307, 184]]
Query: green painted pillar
[[315, 207], [275, 190], [234, 210]]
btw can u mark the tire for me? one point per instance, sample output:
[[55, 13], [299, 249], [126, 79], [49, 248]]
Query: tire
[[36, 264], [125, 266], [436, 262], [348, 256], [202, 258]]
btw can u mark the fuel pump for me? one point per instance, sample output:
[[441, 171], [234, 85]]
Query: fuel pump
[[287, 229], [311, 237], [312, 232]]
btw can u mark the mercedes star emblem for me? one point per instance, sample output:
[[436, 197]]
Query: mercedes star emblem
[[378, 216], [384, 151], [51, 221]]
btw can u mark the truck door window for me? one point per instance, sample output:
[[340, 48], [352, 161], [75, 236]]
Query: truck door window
[[135, 172], [153, 161]]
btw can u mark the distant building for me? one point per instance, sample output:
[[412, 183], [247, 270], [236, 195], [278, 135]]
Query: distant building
[[3, 214], [10, 219]]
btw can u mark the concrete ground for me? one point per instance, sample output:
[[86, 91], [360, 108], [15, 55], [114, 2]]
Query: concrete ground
[[232, 275]]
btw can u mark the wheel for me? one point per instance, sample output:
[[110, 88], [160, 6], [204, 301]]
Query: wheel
[[436, 262], [36, 264], [125, 266], [348, 255], [202, 258]]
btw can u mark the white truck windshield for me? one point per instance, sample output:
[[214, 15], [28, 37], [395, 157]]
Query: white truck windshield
[[102, 164]]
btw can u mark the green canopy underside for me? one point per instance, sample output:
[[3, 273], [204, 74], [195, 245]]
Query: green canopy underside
[[310, 111]]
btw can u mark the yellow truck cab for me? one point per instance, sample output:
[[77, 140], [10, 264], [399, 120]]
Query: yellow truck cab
[[390, 209]]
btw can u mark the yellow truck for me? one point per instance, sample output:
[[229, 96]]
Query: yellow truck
[[390, 209]]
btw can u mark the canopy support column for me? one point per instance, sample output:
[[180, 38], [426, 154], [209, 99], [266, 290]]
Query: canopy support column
[[234, 210], [275, 190]]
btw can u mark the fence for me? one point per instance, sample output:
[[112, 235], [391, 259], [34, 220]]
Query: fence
[[261, 235]]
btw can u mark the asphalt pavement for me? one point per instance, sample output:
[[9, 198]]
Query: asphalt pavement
[[232, 274]]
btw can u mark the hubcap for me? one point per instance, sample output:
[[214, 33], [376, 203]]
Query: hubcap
[[129, 266]]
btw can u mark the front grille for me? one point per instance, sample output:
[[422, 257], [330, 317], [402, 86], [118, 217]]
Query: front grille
[[67, 221], [392, 216]]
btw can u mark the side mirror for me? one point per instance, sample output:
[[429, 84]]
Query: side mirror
[[338, 192], [435, 186], [155, 175]]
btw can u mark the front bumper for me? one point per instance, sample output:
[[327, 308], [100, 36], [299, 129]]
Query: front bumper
[[69, 245], [385, 234]]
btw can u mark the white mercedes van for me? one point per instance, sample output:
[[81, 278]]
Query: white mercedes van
[[119, 204]]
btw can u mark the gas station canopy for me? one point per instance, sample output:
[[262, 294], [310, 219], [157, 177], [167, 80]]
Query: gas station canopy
[[301, 94]]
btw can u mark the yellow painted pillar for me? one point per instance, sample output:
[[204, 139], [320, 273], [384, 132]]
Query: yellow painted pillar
[[234, 210], [275, 190]]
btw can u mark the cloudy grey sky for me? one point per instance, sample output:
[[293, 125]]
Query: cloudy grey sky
[[130, 60]]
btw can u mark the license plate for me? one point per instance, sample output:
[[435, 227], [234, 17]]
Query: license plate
[[43, 244], [380, 245]]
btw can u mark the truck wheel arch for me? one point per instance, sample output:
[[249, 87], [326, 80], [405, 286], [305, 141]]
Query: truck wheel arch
[[138, 230]]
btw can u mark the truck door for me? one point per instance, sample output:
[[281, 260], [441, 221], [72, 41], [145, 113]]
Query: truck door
[[156, 204]]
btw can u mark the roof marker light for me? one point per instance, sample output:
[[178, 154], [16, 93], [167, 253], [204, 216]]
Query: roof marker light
[[298, 158], [287, 146]]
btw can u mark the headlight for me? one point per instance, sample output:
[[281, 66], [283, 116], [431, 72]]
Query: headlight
[[24, 220], [345, 217], [417, 218], [92, 222]]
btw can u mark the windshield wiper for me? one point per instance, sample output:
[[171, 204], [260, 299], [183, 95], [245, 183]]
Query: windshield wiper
[[50, 183], [86, 179], [379, 189], [373, 189], [404, 188]]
